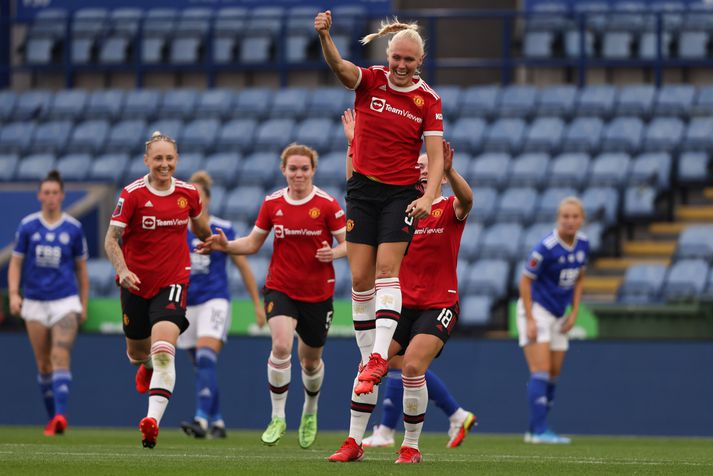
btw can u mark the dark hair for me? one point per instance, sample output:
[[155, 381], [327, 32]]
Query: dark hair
[[53, 176]]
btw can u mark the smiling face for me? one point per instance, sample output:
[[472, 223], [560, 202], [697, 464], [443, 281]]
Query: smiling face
[[50, 196], [569, 220], [161, 159], [298, 171], [405, 57]]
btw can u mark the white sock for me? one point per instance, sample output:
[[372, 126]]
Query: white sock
[[388, 312], [362, 407], [364, 321], [312, 383], [279, 372], [458, 416], [415, 403], [163, 358]]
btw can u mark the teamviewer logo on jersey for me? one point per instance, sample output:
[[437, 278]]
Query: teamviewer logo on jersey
[[148, 223], [377, 104]]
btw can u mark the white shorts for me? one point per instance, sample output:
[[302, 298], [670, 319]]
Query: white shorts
[[49, 313], [210, 319], [548, 327]]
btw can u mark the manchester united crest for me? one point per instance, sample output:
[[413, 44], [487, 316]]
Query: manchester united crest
[[269, 306], [350, 225], [314, 212], [436, 213], [126, 320], [418, 100], [182, 202]]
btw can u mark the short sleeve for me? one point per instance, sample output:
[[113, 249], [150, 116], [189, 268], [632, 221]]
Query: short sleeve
[[264, 222], [433, 122], [365, 79], [21, 241], [336, 220], [533, 267], [196, 204], [123, 211], [79, 246]]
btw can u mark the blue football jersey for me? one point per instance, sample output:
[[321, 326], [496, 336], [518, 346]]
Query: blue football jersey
[[209, 276], [49, 253], [555, 268]]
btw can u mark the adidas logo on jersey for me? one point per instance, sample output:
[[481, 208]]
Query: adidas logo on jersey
[[279, 213], [148, 204], [382, 87]]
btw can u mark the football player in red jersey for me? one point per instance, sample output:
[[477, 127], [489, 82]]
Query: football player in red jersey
[[300, 282], [153, 265]]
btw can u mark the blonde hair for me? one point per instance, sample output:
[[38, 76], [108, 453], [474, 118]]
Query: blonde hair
[[571, 200], [407, 31], [158, 136], [299, 149], [202, 178]]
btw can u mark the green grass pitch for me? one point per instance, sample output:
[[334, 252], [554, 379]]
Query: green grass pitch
[[112, 451]]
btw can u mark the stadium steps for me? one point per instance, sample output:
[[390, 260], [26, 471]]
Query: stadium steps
[[598, 285], [667, 228], [649, 248], [620, 265], [697, 213], [708, 193]]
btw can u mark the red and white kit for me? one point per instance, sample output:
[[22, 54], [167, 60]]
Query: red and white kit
[[300, 228], [391, 123], [155, 224]]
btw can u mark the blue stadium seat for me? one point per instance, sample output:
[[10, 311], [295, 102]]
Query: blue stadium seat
[[488, 277], [529, 170], [707, 294], [470, 241], [289, 103], [699, 134], [254, 103], [125, 20], [573, 43], [135, 170], [170, 127], [635, 100], [544, 135], [223, 168], [74, 167], [331, 169], [31, 105], [35, 167], [451, 99], [243, 203], [558, 100], [87, 25], [51, 137], [67, 104], [178, 104], [314, 132], [475, 310], [538, 44], [89, 136], [265, 20], [215, 103], [517, 276], [517, 101], [480, 101], [127, 136], [596, 101], [237, 135], [101, 277], [664, 134], [105, 104], [260, 168], [648, 46], [15, 137], [548, 15], [8, 98], [569, 169], [227, 30], [694, 168], [642, 284], [8, 164], [256, 49], [505, 135], [623, 134], [200, 135], [259, 266], [695, 242], [685, 280], [159, 26], [490, 170], [594, 231], [191, 29], [141, 104], [610, 169], [329, 102], [217, 200], [188, 164], [583, 135], [517, 204], [693, 44], [109, 167], [486, 202], [601, 204], [466, 134], [274, 134], [674, 100], [703, 105], [653, 169], [550, 201], [639, 203]]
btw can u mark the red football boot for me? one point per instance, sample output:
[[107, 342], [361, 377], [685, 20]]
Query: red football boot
[[349, 451], [149, 432], [56, 426], [408, 455], [371, 374], [143, 379]]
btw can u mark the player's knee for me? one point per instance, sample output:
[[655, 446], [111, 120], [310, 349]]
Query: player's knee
[[412, 368], [44, 366], [310, 365], [59, 358], [137, 357], [386, 271], [281, 350]]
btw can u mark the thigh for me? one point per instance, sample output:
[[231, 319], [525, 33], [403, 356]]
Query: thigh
[[135, 316], [556, 362], [419, 354], [64, 332], [362, 263], [41, 341], [282, 331], [402, 334], [61, 308], [279, 304], [537, 356], [394, 224], [389, 257], [543, 320], [314, 321], [169, 305], [438, 323]]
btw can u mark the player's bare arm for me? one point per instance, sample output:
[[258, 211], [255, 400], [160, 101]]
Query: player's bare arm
[[247, 245], [349, 122], [464, 194], [127, 279], [327, 254], [246, 273], [201, 226], [421, 207], [346, 71], [83, 281], [571, 319], [13, 284]]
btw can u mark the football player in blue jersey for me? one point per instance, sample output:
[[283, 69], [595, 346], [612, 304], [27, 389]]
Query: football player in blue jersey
[[50, 260], [551, 281], [209, 314]]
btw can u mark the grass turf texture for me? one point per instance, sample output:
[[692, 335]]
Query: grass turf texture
[[115, 451]]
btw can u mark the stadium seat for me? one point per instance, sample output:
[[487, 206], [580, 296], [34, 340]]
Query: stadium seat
[[35, 167], [550, 201], [532, 236], [595, 232], [490, 170], [466, 134], [569, 169], [642, 284], [583, 135], [639, 203], [635, 100], [31, 105], [485, 204], [330, 169], [45, 35], [693, 44], [105, 104], [475, 310], [451, 99], [87, 25], [109, 167], [159, 26], [517, 276], [617, 45], [191, 29], [488, 277], [699, 134], [314, 133], [505, 135], [696, 242], [558, 101], [596, 101], [517, 101], [648, 45], [329, 102], [260, 168], [89, 136], [703, 105], [101, 277], [538, 44], [223, 167], [200, 135], [236, 135], [544, 135], [274, 134], [178, 104], [601, 204], [529, 170], [470, 241], [480, 101], [289, 103], [8, 164], [68, 104], [674, 100], [141, 104], [517, 204], [664, 134], [217, 200], [256, 49], [623, 134], [694, 168], [8, 98], [215, 103], [15, 137], [51, 137], [170, 127], [127, 136], [253, 103], [227, 30], [501, 240], [653, 169], [573, 43], [244, 202], [188, 164], [685, 280], [135, 170], [610, 169], [74, 167]]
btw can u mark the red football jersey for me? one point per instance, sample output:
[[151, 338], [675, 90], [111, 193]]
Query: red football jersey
[[300, 228], [391, 122], [428, 273], [155, 224]]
